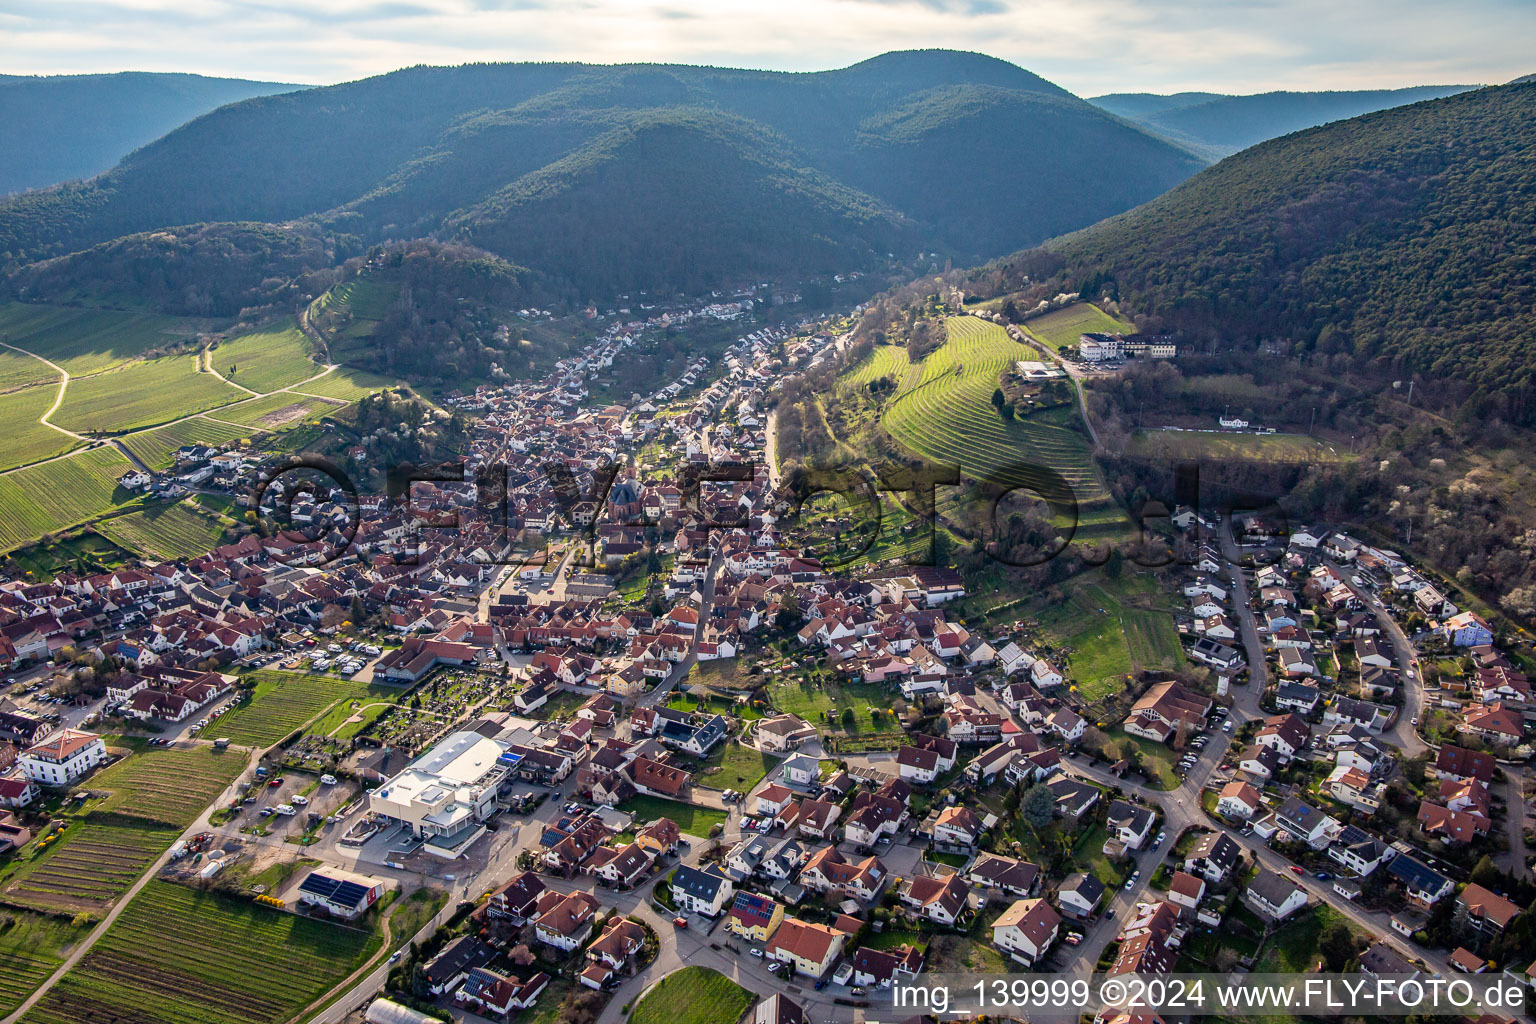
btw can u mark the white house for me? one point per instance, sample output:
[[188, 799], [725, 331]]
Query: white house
[[63, 757], [1026, 930]]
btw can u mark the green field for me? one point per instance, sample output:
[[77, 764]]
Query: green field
[[164, 532], [85, 553], [1067, 326], [26, 439], [267, 359], [812, 701], [943, 411], [54, 495], [692, 819], [177, 956], [32, 946], [1113, 627], [346, 384], [739, 767], [142, 394], [693, 995], [170, 785], [83, 340], [1210, 444], [157, 448], [276, 411], [281, 702]]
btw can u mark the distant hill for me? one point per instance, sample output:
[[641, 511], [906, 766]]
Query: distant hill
[[1215, 126], [639, 176], [1400, 240], [64, 127]]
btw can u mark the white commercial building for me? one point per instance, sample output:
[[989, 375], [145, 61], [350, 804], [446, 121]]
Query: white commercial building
[[63, 757], [445, 794]]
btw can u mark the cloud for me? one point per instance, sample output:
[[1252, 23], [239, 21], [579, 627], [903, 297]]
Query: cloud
[[1088, 46]]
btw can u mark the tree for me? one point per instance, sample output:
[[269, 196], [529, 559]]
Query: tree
[[789, 613], [1037, 806], [1486, 874], [999, 399], [1337, 946]]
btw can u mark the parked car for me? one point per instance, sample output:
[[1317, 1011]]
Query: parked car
[[1296, 870], [680, 922], [756, 952]]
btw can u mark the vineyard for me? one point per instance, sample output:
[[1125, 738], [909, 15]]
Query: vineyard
[[157, 448], [1065, 327], [32, 947], [344, 384], [27, 440], [177, 956], [172, 786], [164, 532], [51, 496], [884, 361], [85, 340], [282, 409], [266, 359], [141, 394], [943, 411], [91, 864], [280, 703]]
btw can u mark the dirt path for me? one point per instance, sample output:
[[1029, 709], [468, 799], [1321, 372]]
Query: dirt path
[[58, 399], [205, 365]]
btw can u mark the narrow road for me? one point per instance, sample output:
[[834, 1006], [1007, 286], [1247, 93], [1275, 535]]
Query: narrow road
[[205, 365], [1514, 859], [1403, 732]]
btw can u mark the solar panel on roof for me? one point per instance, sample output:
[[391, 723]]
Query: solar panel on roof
[[339, 891]]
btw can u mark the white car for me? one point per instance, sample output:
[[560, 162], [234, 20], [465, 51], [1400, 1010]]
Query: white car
[[756, 952]]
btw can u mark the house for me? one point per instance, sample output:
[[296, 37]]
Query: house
[[620, 940], [783, 732], [810, 948], [1164, 709], [1466, 961], [1213, 857], [1358, 851], [1258, 762], [1303, 698], [1239, 800], [1423, 885], [1128, 825], [1186, 889], [1080, 895], [1496, 723], [1149, 942], [877, 968], [1354, 787], [1463, 765], [1215, 654], [1007, 875], [564, 920], [1026, 930], [957, 828], [452, 965], [622, 867], [18, 792], [1381, 960], [1485, 911], [772, 799], [1274, 896], [702, 892], [829, 871], [779, 1009], [1073, 799], [939, 899], [62, 758], [1286, 735], [753, 917], [1305, 823], [517, 900], [489, 992], [801, 770]]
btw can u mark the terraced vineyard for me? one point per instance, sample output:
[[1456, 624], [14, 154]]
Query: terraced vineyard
[[142, 394], [54, 495], [177, 956], [93, 863], [164, 531], [267, 359], [32, 947], [157, 448], [884, 361], [280, 703], [172, 786], [27, 440], [944, 412]]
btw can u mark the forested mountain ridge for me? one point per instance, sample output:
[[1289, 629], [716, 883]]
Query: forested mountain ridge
[[1399, 240], [1215, 126], [63, 127], [948, 151]]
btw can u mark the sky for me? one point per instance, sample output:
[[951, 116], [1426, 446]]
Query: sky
[[1088, 46]]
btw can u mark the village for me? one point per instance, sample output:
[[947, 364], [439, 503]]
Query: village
[[628, 730]]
